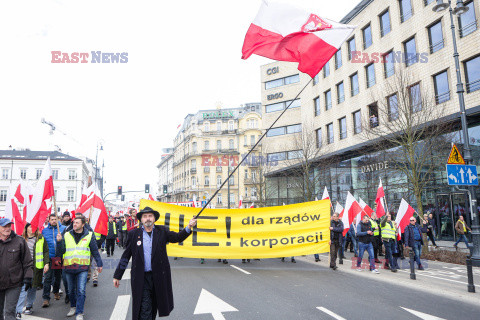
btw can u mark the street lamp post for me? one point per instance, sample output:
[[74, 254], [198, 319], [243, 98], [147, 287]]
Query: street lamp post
[[461, 9]]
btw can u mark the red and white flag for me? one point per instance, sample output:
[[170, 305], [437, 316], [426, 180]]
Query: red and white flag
[[380, 201], [150, 197], [85, 193], [40, 205], [366, 208], [253, 205], [325, 196], [283, 32], [194, 201], [405, 212], [352, 210], [339, 209], [240, 202], [94, 209], [11, 210]]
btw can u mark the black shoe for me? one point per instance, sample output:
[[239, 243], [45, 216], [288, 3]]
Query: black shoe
[[95, 283], [293, 260], [283, 259], [420, 267], [175, 258], [108, 254], [340, 261], [18, 316], [334, 268], [316, 259], [67, 299], [219, 260], [225, 261], [243, 261], [351, 250], [202, 261], [248, 260], [393, 270]]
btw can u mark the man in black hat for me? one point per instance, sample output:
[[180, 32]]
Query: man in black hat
[[151, 279]]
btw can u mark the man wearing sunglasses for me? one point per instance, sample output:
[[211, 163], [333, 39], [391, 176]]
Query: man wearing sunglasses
[[413, 239]]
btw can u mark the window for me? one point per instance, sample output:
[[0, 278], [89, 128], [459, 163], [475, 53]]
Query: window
[[219, 181], [340, 93], [415, 97], [435, 36], [282, 82], [207, 180], [219, 198], [357, 122], [278, 156], [194, 164], [206, 126], [3, 195], [219, 145], [442, 90], [351, 48], [231, 145], [230, 125], [219, 126], [330, 133], [294, 128], [246, 173], [370, 73], [354, 84], [328, 100], [342, 124], [39, 173], [316, 105], [72, 175], [54, 174], [472, 74], [427, 2], [194, 147], [373, 114], [254, 192], [367, 36], [389, 65], [392, 107], [245, 140], [315, 79], [467, 22], [23, 174], [71, 195], [254, 176], [5, 174], [406, 11], [297, 154], [207, 145], [284, 130], [232, 198], [282, 105], [231, 181], [338, 58], [252, 140], [326, 70], [194, 181], [318, 134], [385, 26], [411, 55]]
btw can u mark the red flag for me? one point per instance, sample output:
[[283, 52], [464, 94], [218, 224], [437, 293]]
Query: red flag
[[379, 200], [352, 210], [405, 212], [253, 205], [94, 209], [286, 33], [43, 191], [325, 195], [366, 208], [240, 202], [150, 197]]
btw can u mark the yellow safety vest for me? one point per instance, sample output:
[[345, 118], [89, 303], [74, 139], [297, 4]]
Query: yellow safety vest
[[98, 236], [124, 227], [376, 232], [77, 253], [388, 232], [114, 226], [39, 253]]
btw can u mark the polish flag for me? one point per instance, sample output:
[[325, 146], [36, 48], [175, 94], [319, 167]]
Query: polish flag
[[38, 210], [339, 209], [380, 201], [94, 209], [405, 212], [194, 201], [352, 210], [366, 208], [325, 196], [150, 197], [240, 202], [284, 32], [253, 205], [12, 212]]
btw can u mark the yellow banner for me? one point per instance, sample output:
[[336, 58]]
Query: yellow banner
[[272, 232]]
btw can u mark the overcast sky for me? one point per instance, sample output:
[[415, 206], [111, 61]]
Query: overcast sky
[[183, 56]]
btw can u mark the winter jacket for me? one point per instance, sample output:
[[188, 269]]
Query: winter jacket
[[409, 236], [112, 233], [38, 273], [61, 249], [16, 262], [459, 227], [337, 233], [50, 235]]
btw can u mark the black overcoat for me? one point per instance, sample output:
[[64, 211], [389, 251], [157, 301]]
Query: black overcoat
[[160, 267]]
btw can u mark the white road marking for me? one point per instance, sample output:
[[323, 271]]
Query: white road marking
[[208, 303], [426, 275], [127, 275], [422, 315], [27, 317], [330, 313], [239, 269], [121, 308]]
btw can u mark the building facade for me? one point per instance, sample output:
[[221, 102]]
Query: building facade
[[165, 178], [70, 174], [209, 144], [393, 39]]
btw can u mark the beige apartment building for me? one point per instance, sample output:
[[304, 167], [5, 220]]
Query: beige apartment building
[[342, 102], [206, 144]]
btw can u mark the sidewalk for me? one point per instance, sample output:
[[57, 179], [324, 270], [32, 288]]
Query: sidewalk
[[439, 278]]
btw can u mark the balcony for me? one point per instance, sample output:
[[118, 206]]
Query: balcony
[[206, 169], [219, 169], [193, 170]]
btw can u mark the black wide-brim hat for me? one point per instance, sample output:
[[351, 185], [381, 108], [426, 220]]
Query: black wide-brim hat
[[148, 210]]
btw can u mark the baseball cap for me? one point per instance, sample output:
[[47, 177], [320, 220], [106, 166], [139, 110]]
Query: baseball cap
[[4, 222]]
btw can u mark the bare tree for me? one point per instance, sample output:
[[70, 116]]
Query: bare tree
[[408, 121]]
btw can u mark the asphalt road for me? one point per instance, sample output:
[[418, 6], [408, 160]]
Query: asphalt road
[[268, 289]]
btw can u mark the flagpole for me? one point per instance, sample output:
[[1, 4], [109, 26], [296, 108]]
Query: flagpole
[[55, 208], [250, 151]]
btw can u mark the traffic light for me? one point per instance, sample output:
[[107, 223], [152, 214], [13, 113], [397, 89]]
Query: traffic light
[[165, 188], [147, 188], [119, 190]]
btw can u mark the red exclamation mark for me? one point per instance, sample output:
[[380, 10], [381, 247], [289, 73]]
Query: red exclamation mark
[[228, 224]]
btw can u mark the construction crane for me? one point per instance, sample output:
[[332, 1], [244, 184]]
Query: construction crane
[[54, 128]]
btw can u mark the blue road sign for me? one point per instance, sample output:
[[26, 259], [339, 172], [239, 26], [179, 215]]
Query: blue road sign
[[462, 175]]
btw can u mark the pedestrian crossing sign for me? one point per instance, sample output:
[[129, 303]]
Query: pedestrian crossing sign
[[455, 156]]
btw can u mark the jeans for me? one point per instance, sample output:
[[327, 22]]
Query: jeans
[[110, 246], [431, 237], [122, 236], [333, 253], [55, 276], [462, 237], [148, 306], [417, 250], [390, 246], [8, 301], [355, 245], [29, 296], [77, 279], [361, 249]]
